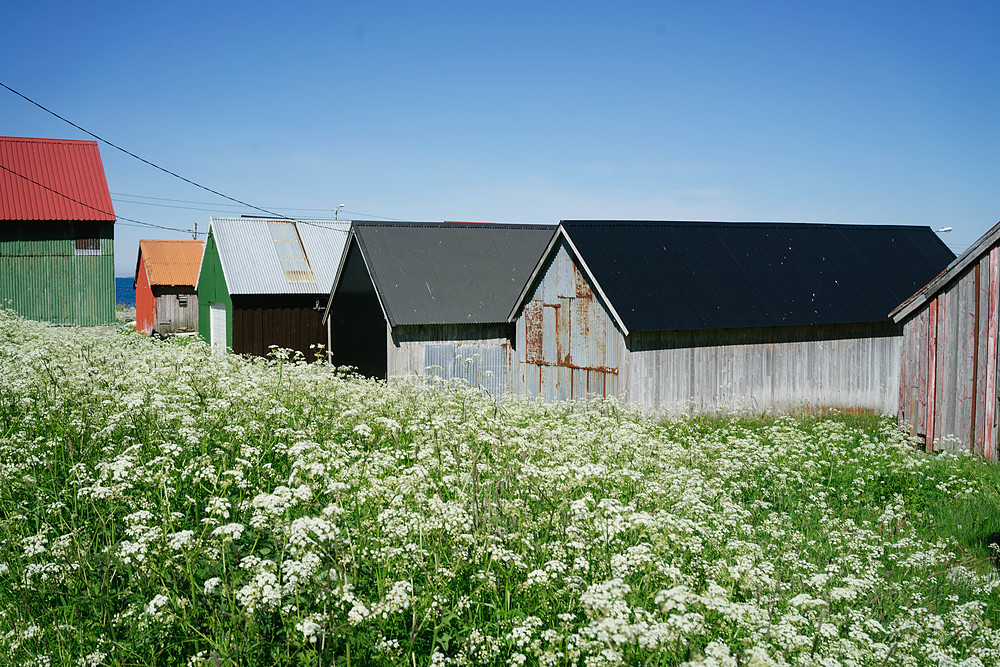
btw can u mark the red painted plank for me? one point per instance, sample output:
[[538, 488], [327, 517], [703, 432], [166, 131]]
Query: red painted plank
[[989, 435]]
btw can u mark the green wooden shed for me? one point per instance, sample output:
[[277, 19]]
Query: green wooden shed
[[264, 282], [56, 232]]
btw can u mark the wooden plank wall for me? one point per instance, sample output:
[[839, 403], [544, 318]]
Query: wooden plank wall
[[787, 369], [948, 363], [170, 316], [286, 320]]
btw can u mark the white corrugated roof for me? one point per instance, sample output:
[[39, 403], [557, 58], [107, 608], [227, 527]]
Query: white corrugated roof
[[250, 261]]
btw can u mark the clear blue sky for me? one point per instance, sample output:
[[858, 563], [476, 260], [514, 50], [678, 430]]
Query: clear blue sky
[[857, 112]]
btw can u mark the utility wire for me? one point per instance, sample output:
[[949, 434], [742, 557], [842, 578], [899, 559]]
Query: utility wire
[[143, 160], [207, 203], [271, 214], [85, 204]]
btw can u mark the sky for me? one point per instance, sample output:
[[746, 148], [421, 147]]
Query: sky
[[850, 112]]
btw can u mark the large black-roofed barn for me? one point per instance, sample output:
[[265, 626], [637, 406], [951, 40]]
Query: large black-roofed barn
[[696, 316], [408, 296]]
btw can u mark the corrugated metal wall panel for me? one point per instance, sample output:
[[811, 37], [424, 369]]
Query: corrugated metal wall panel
[[145, 302], [570, 341], [212, 289], [43, 279], [415, 347]]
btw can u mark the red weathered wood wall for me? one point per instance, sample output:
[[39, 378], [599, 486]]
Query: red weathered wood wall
[[948, 371]]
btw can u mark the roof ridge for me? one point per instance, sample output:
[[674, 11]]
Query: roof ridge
[[744, 223]]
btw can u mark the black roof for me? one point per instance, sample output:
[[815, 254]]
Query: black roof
[[449, 273], [716, 275]]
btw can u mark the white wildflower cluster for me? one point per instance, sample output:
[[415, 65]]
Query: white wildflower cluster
[[209, 495]]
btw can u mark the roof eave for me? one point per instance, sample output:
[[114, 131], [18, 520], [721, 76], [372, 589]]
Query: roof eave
[[561, 233], [352, 236], [972, 254], [597, 286], [336, 276]]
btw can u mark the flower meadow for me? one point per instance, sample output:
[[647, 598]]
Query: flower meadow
[[161, 506]]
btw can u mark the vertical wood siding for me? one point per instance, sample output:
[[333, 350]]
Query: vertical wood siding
[[286, 320], [948, 389], [170, 316], [853, 368]]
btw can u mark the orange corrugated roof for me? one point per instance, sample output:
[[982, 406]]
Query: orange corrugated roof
[[171, 262], [52, 179]]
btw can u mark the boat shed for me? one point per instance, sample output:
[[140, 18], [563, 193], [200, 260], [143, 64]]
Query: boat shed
[[704, 317], [948, 371], [56, 232], [413, 296], [165, 275], [263, 283]]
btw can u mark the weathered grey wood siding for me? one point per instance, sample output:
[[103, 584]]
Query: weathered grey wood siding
[[853, 368], [171, 316], [567, 345], [477, 353], [948, 389]]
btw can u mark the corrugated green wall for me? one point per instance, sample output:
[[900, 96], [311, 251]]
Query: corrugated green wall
[[42, 277], [212, 288]]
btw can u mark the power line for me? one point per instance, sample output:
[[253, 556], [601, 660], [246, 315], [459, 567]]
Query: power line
[[221, 207], [207, 203], [271, 214], [143, 160], [85, 204]]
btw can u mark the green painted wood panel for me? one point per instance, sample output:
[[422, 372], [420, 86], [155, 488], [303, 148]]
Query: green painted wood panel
[[212, 288], [43, 278]]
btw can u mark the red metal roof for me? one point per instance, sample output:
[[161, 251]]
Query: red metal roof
[[171, 262], [52, 179]]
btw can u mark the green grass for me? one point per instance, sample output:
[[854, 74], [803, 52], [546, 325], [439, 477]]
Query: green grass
[[160, 506]]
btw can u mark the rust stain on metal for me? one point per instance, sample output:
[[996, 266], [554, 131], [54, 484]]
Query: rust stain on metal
[[564, 332], [533, 331], [613, 371], [583, 290]]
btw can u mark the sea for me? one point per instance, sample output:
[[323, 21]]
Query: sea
[[124, 294]]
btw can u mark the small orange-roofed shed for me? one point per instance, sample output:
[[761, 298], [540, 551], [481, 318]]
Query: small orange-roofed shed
[[165, 275]]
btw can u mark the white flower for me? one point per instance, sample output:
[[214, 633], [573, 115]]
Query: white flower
[[231, 532], [157, 603]]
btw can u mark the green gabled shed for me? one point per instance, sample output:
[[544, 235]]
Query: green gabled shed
[[56, 232], [262, 283]]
